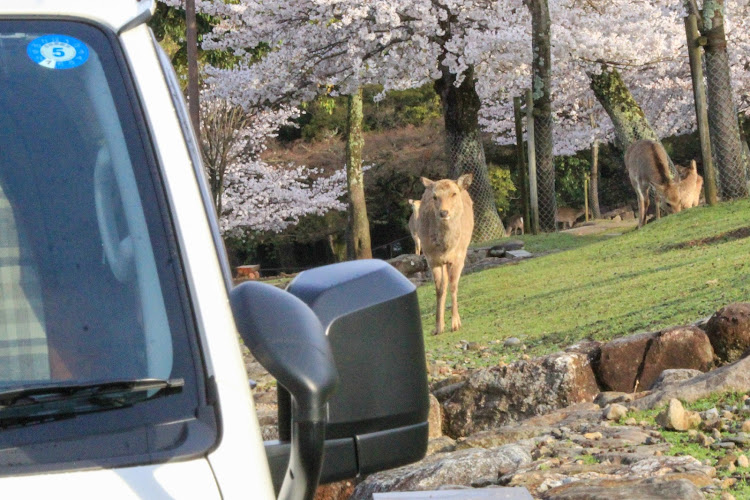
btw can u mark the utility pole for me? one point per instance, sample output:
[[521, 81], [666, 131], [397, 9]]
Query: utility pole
[[192, 57]]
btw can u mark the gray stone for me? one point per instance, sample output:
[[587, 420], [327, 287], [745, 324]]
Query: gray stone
[[733, 377], [519, 254], [608, 397], [409, 264], [647, 489], [672, 376], [512, 342], [458, 468]]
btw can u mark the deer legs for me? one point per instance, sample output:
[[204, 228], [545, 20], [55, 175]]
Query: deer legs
[[446, 277]]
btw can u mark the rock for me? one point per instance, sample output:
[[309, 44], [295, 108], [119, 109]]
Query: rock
[[409, 264], [620, 360], [593, 436], [496, 396], [442, 444], [607, 489], [643, 357], [615, 411], [462, 468], [502, 248], [729, 331], [435, 419], [675, 417], [519, 254], [733, 377], [743, 461], [746, 426], [672, 376], [726, 496], [608, 397], [512, 342]]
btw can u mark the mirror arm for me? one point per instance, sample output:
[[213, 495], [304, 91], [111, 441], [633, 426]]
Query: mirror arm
[[286, 337]]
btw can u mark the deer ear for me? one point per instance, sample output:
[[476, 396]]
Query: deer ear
[[426, 182], [693, 165], [465, 181]]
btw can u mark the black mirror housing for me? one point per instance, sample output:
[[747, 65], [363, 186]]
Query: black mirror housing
[[377, 418]]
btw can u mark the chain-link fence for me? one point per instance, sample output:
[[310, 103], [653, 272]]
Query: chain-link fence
[[726, 146], [466, 155], [545, 172]]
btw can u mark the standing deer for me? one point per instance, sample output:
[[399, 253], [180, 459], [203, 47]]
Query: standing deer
[[446, 222], [515, 224], [648, 166], [414, 225], [690, 187]]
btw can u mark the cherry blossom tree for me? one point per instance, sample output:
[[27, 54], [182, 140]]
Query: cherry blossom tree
[[249, 193], [314, 45]]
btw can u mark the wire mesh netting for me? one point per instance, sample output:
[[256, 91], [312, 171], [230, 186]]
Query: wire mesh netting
[[545, 173], [726, 146], [466, 155]]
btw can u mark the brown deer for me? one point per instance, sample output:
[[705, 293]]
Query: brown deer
[[515, 224], [690, 187], [446, 222], [414, 225], [568, 216], [648, 167]]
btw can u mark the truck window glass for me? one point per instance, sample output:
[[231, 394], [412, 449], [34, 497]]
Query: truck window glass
[[88, 279]]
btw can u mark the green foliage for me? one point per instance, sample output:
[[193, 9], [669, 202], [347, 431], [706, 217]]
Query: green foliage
[[168, 25], [570, 174], [326, 116], [502, 187], [603, 287]]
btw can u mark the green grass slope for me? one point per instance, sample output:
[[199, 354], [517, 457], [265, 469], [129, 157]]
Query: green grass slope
[[673, 271]]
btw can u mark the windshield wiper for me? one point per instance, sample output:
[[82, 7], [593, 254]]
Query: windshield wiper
[[36, 403]]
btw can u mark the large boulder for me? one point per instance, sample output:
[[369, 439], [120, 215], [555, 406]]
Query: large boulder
[[409, 264], [634, 363], [729, 331], [496, 396], [624, 489], [461, 468]]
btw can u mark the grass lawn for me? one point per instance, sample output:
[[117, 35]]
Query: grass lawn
[[673, 271]]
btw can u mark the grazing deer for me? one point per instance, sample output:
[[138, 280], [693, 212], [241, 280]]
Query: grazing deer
[[414, 225], [446, 221], [515, 224], [648, 166], [690, 187], [568, 215]]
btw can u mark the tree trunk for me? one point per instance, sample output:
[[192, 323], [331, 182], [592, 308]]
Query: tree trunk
[[594, 193], [628, 118], [722, 116], [192, 58], [360, 226], [465, 150], [541, 80]]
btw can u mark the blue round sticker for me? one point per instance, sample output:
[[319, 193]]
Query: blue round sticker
[[58, 51]]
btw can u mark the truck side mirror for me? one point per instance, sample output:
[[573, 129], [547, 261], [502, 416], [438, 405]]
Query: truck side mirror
[[287, 338], [377, 418]]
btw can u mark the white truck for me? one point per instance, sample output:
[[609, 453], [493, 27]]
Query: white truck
[[120, 368]]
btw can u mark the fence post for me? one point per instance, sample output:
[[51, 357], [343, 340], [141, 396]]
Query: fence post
[[586, 197], [701, 110], [533, 199], [521, 163]]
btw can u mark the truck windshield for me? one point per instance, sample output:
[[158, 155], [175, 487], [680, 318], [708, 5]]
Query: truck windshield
[[89, 281]]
